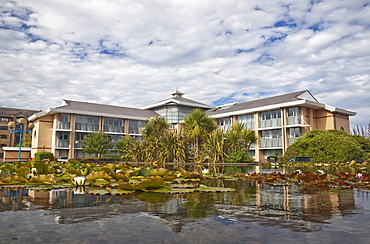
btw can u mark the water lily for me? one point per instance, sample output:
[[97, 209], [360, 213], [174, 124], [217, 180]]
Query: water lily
[[34, 171], [205, 171], [79, 181], [321, 171], [29, 176]]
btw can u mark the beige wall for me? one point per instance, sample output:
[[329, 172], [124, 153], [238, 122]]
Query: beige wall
[[12, 156], [42, 135]]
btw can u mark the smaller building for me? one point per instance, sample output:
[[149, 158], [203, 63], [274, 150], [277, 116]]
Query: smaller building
[[12, 154], [11, 115]]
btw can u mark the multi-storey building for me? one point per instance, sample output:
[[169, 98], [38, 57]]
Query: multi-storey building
[[277, 121], [7, 115]]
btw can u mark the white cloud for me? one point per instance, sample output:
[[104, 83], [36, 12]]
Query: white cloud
[[135, 53]]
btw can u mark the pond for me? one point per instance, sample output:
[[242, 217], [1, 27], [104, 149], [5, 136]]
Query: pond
[[254, 213]]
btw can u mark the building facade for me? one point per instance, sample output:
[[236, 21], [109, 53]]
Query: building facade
[[10, 141], [277, 121]]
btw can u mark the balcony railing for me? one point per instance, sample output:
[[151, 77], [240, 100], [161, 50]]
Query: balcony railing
[[270, 143]]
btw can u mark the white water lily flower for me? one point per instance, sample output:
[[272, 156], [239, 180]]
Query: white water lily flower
[[29, 176], [79, 181], [205, 171]]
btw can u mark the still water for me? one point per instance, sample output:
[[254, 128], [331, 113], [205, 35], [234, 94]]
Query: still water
[[255, 213]]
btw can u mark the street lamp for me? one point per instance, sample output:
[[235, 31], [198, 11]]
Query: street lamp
[[11, 126]]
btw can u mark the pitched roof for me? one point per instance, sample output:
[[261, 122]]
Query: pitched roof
[[275, 102], [95, 109], [178, 99], [10, 112]]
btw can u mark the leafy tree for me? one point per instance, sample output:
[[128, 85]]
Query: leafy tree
[[197, 125], [330, 145], [96, 142], [124, 147]]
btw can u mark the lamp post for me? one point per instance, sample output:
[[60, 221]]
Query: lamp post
[[11, 126]]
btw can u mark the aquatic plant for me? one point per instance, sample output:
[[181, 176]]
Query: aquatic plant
[[79, 181]]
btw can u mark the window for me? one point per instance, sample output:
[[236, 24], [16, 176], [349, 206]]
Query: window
[[271, 138], [293, 134], [293, 116], [224, 123], [3, 136], [5, 119], [64, 121], [87, 123], [4, 128], [79, 136], [113, 125], [63, 139], [135, 125], [247, 120], [270, 119], [114, 138]]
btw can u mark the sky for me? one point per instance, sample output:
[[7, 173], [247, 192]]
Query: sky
[[136, 53]]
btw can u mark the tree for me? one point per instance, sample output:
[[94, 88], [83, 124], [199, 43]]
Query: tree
[[155, 128], [96, 142], [197, 125], [240, 139], [361, 131], [330, 145], [124, 146]]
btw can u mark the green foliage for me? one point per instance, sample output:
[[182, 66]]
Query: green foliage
[[239, 156], [96, 142], [331, 145], [124, 147], [39, 156], [198, 125]]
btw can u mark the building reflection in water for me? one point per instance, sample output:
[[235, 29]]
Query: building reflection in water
[[252, 201]]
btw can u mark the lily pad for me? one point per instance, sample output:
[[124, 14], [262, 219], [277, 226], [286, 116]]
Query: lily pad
[[120, 192], [213, 189], [172, 191]]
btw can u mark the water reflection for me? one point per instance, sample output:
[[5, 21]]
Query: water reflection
[[255, 212], [283, 206]]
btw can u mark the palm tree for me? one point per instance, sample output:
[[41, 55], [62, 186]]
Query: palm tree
[[155, 128], [197, 126], [240, 139]]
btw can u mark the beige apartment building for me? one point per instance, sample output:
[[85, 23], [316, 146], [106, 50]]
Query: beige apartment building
[[277, 121]]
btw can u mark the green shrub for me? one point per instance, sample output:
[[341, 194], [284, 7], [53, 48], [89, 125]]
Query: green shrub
[[39, 156], [330, 145]]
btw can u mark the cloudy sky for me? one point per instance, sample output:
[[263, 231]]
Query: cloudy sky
[[136, 53]]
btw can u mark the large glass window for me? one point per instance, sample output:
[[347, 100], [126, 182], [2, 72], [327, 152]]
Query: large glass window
[[135, 125], [247, 120], [113, 125], [270, 119], [294, 134], [79, 136], [87, 123], [64, 121], [224, 123], [174, 114], [271, 138], [63, 139], [293, 116]]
